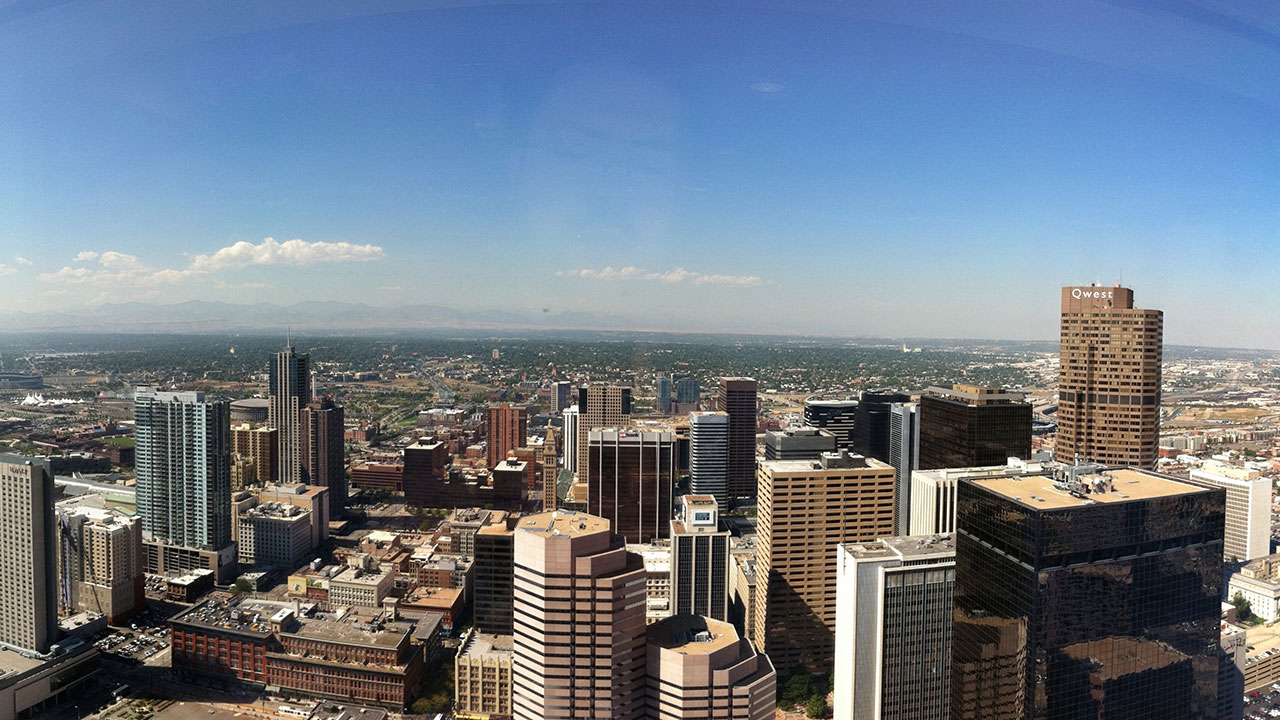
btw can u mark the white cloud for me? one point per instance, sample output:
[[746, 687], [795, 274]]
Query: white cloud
[[6, 270], [22, 261], [116, 269], [768, 88], [290, 252], [669, 277]]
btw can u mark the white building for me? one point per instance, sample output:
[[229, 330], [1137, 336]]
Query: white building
[[1247, 534], [933, 493], [894, 600], [1259, 583]]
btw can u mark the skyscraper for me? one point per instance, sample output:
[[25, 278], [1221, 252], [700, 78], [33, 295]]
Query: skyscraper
[[688, 394], [632, 480], [571, 429], [599, 406], [494, 555], [699, 559], [893, 628], [1108, 378], [289, 390], [805, 509], [28, 554], [1088, 594], [904, 456], [700, 669], [738, 398], [549, 457], [1248, 510], [508, 429], [836, 416], [579, 629], [662, 391], [563, 395], [970, 426], [709, 454], [870, 437], [324, 451], [182, 459]]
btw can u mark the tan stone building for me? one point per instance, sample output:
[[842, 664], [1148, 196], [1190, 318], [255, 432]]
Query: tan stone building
[[805, 509], [100, 560], [579, 621], [599, 406], [257, 446], [699, 669], [482, 677], [1108, 378]]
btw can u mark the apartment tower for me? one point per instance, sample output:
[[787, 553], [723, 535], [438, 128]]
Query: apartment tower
[[805, 509], [100, 562], [289, 390], [1108, 379], [709, 454], [254, 451], [28, 554], [737, 397], [578, 620], [182, 460]]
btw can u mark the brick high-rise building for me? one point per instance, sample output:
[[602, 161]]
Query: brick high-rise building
[[508, 427], [580, 649], [805, 509], [1108, 378], [28, 554], [737, 397], [323, 450], [289, 391]]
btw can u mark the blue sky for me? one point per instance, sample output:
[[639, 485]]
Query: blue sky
[[906, 169]]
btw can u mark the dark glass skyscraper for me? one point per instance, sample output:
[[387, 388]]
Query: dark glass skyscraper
[[971, 426], [1086, 595], [836, 416], [871, 426]]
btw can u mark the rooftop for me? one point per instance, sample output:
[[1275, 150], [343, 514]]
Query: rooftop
[[825, 464], [911, 547], [220, 612], [355, 575], [377, 634], [1042, 491], [481, 645], [564, 522], [692, 634]]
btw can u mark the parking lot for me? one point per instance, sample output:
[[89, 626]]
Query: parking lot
[[144, 640], [1262, 704]]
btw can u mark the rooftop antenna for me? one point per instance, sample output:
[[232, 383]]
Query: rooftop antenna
[[288, 340]]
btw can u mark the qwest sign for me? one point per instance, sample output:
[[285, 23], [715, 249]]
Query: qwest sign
[[1088, 293]]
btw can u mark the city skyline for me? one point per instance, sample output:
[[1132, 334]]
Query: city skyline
[[926, 170]]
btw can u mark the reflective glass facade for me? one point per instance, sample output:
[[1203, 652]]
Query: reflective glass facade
[[1098, 610]]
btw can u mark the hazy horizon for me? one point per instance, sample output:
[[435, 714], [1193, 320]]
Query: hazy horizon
[[926, 170]]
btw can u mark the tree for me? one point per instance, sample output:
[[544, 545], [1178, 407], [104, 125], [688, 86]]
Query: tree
[[817, 707], [1244, 609], [243, 585], [797, 690]]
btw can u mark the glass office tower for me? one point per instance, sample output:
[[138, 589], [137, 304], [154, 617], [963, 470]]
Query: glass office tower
[[1092, 594]]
